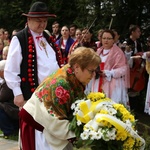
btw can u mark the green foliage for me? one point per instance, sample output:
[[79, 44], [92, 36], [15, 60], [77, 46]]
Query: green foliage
[[82, 13], [11, 137], [10, 14]]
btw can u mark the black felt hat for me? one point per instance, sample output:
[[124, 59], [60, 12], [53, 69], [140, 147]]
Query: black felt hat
[[39, 9]]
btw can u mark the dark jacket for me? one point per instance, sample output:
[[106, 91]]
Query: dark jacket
[[6, 101], [131, 43]]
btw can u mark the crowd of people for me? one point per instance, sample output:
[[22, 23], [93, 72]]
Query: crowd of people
[[45, 72]]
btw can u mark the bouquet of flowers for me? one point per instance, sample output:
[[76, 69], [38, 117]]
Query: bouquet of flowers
[[100, 123]]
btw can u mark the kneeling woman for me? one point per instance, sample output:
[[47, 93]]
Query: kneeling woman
[[50, 104]]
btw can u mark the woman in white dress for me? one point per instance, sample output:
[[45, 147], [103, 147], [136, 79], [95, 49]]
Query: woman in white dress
[[114, 76]]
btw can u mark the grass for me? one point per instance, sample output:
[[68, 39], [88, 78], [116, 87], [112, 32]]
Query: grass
[[144, 131], [1, 132], [11, 137]]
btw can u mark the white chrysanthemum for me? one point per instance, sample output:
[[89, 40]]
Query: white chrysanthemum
[[112, 137], [105, 134], [92, 135], [113, 130], [111, 134], [98, 135], [76, 104], [77, 109], [99, 130], [79, 123], [105, 138], [84, 135], [73, 106], [127, 122]]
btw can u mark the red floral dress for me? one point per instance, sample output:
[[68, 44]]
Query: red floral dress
[[59, 91]]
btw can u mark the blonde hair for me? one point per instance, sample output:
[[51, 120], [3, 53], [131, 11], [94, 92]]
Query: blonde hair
[[100, 31], [84, 57], [1, 41], [2, 65], [5, 51]]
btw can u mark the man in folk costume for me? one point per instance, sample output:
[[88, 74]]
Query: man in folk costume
[[32, 57], [138, 75]]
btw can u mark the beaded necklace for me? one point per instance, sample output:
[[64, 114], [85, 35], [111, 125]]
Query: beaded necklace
[[51, 42]]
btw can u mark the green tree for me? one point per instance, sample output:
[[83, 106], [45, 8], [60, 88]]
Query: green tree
[[10, 14], [82, 13]]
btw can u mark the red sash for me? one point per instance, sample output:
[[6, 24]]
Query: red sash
[[101, 78]]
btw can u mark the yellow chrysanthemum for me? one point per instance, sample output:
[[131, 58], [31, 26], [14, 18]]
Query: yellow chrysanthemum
[[99, 114], [125, 113], [128, 144], [96, 96], [121, 136], [138, 143]]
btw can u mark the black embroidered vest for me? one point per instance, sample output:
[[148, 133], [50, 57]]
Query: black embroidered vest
[[28, 68]]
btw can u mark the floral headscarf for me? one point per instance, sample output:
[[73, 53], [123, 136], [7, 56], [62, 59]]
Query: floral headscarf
[[59, 91]]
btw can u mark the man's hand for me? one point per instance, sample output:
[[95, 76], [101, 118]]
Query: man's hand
[[19, 101]]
